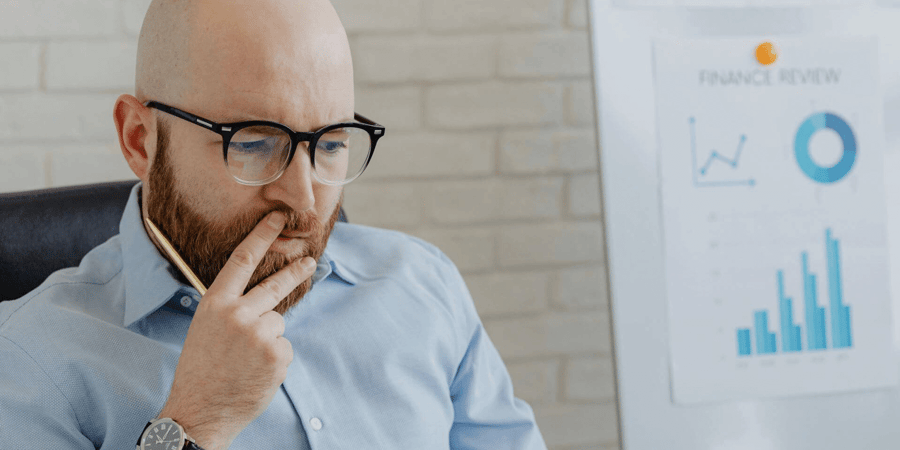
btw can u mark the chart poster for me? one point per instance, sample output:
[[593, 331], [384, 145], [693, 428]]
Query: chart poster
[[772, 187], [626, 4]]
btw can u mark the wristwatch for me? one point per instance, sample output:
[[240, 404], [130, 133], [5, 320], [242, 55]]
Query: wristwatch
[[165, 434]]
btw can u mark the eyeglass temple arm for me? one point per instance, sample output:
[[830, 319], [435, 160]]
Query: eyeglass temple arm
[[185, 116], [360, 118]]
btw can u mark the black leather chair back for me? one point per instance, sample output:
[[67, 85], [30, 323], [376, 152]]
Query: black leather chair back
[[46, 230]]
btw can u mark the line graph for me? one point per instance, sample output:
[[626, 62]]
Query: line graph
[[733, 162]]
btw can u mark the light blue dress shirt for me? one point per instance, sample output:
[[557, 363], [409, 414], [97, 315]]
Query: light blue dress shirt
[[389, 353]]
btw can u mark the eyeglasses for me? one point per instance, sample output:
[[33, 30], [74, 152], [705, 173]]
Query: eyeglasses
[[257, 152]]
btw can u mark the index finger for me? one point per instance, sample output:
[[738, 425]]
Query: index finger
[[236, 273]]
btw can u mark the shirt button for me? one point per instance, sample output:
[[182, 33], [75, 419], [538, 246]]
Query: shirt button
[[315, 423], [186, 301]]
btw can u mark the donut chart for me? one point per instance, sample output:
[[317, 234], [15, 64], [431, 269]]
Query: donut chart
[[808, 128]]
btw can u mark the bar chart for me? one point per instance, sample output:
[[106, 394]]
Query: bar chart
[[816, 333]]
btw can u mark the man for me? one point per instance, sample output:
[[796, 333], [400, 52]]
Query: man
[[312, 334]]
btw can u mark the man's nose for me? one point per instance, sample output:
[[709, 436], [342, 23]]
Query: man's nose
[[295, 186]]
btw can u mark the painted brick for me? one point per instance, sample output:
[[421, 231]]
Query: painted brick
[[363, 15], [43, 116], [471, 249], [486, 200], [590, 379], [550, 334], [577, 150], [582, 287], [385, 204], [494, 104], [580, 104], [544, 54], [578, 14], [584, 195], [464, 201], [54, 18], [535, 382], [396, 108], [133, 12], [443, 15], [22, 168], [538, 152], [544, 244], [91, 65], [501, 294], [82, 164], [432, 155], [400, 59], [538, 198], [578, 424], [21, 67]]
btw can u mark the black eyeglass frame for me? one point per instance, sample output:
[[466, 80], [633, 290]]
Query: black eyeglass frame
[[228, 130]]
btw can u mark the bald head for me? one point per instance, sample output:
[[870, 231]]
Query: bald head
[[229, 58]]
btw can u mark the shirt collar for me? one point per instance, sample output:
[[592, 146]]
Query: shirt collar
[[151, 281]]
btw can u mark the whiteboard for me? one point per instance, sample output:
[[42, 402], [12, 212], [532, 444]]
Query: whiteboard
[[624, 87]]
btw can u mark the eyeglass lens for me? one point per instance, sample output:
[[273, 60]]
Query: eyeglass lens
[[259, 154]]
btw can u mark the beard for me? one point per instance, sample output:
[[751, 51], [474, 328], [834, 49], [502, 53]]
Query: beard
[[206, 246]]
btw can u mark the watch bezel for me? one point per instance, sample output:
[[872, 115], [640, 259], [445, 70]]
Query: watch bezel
[[161, 420]]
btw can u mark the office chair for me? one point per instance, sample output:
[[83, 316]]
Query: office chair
[[45, 230]]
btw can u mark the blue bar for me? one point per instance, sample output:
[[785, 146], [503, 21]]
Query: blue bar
[[743, 341], [821, 344], [815, 316], [840, 313], [809, 304], [759, 323], [834, 294], [765, 341], [848, 336], [789, 332]]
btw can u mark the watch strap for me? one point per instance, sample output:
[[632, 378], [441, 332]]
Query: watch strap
[[191, 445]]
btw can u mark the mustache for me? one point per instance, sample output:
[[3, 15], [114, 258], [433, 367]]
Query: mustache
[[295, 223]]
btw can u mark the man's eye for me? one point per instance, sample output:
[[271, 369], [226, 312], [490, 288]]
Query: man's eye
[[253, 146], [331, 146]]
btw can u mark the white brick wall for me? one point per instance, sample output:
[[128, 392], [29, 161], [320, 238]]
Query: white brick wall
[[22, 66], [465, 15], [428, 58], [490, 154], [91, 66], [494, 104]]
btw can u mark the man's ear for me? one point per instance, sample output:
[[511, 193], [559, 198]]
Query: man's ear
[[133, 122]]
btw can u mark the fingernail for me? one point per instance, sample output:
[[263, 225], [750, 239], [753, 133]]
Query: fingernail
[[276, 219], [309, 263]]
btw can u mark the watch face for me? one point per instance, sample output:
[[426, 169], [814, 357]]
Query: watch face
[[163, 436]]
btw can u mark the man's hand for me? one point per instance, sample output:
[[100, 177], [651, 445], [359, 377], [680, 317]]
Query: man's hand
[[234, 356]]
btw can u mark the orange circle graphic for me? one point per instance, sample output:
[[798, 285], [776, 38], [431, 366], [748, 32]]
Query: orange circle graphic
[[765, 53]]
